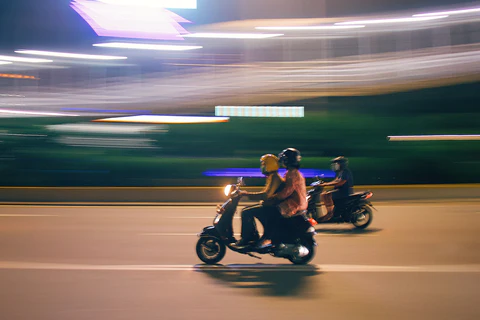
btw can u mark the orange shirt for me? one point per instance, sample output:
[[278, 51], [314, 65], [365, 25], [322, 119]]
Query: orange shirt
[[294, 196]]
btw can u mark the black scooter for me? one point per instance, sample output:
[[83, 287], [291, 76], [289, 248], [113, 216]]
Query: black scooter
[[296, 243], [356, 209]]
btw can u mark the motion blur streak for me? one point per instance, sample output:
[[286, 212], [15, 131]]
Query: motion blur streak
[[393, 20], [70, 55], [165, 119], [435, 137], [145, 46], [271, 82]]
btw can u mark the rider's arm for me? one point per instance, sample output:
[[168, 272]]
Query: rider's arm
[[338, 182], [271, 186]]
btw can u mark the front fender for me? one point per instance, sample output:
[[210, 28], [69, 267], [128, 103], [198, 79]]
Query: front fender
[[209, 231]]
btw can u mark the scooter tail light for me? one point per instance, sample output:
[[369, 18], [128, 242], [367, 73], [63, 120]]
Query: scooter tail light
[[369, 195], [312, 222]]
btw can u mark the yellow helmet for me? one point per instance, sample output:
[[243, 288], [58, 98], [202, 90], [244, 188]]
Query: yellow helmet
[[269, 163]]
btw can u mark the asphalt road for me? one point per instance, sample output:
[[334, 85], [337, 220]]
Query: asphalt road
[[416, 261]]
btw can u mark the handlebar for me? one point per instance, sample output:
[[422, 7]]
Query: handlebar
[[318, 183]]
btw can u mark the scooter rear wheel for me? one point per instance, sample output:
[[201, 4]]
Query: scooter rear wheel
[[210, 250], [366, 219], [306, 259]]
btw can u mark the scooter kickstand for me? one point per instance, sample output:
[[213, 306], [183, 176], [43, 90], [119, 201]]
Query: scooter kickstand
[[254, 256]]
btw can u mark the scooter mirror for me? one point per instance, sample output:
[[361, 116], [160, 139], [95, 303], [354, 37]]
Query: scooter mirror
[[240, 181]]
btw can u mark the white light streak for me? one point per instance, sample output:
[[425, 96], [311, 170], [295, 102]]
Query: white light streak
[[232, 35], [23, 59], [104, 128], [334, 27], [165, 119], [21, 112], [146, 46], [172, 4], [461, 11], [439, 137], [392, 20], [5, 62], [70, 55]]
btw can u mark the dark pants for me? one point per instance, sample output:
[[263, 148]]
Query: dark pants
[[267, 216]]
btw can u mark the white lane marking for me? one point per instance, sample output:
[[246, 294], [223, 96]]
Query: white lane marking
[[320, 234], [169, 234], [27, 215], [132, 205], [197, 217], [466, 268]]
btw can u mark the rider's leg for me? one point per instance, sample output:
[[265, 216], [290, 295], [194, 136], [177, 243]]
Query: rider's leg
[[271, 225], [249, 232]]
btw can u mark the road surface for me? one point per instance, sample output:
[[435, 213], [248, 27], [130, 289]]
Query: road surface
[[415, 261]]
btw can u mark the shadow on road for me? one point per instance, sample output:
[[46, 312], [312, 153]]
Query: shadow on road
[[270, 279], [348, 232]]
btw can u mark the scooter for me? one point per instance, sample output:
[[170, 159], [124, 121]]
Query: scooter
[[356, 209], [296, 243]]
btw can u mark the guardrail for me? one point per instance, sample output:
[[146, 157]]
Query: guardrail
[[213, 194]]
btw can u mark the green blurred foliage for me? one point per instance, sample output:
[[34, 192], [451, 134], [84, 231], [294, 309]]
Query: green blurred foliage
[[356, 127]]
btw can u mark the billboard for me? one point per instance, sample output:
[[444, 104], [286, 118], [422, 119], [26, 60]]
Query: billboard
[[137, 19]]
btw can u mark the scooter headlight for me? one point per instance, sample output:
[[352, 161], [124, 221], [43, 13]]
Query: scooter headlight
[[228, 189]]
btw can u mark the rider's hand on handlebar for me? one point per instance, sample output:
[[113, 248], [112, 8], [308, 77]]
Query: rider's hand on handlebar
[[242, 192]]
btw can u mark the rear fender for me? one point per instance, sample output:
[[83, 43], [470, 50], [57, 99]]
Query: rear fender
[[366, 203], [310, 238]]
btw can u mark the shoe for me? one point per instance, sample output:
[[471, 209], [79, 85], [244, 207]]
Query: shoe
[[244, 242], [230, 240]]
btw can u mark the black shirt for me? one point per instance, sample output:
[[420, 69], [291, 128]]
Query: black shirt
[[347, 188]]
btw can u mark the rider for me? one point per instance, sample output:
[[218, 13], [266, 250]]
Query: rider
[[269, 166], [343, 186], [292, 198]]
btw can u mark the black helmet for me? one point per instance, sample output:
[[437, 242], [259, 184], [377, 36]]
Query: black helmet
[[290, 157], [342, 162]]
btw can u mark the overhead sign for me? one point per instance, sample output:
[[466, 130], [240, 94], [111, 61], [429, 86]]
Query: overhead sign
[[137, 19]]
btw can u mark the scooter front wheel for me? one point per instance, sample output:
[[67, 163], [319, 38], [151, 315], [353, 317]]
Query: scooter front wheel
[[210, 250]]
